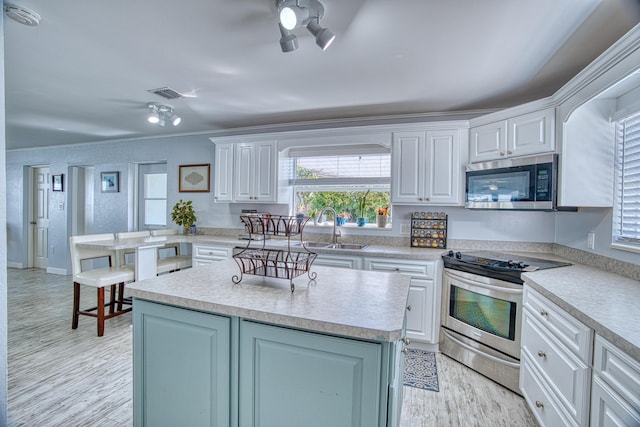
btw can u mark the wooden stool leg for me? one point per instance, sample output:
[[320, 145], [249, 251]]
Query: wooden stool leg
[[100, 312], [120, 295], [76, 305], [112, 298]]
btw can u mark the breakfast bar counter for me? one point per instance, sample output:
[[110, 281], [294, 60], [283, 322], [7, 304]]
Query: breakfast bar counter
[[211, 352]]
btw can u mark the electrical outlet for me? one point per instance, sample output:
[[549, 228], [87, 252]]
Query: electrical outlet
[[405, 228], [591, 240]]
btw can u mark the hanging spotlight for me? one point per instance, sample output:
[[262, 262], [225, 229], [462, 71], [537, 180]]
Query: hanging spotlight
[[160, 113], [298, 13]]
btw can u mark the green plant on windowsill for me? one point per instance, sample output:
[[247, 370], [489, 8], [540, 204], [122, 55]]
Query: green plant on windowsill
[[362, 205], [184, 215]]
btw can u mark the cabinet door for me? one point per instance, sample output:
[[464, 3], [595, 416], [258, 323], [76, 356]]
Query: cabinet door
[[408, 168], [181, 363], [295, 378], [488, 142], [244, 166], [608, 408], [223, 173], [444, 171], [531, 133], [266, 168]]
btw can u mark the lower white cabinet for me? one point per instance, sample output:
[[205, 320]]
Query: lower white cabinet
[[203, 254], [615, 393], [555, 372], [423, 305], [339, 261]]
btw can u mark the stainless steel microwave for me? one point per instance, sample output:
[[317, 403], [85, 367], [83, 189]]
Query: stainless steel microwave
[[523, 183]]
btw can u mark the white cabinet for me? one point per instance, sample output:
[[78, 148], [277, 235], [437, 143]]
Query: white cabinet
[[426, 167], [223, 173], [423, 305], [555, 372], [203, 254], [615, 395], [255, 172], [523, 135], [339, 261]]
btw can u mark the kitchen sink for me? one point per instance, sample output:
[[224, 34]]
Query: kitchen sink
[[325, 245]]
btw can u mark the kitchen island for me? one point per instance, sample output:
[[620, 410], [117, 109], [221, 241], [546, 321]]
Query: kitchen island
[[210, 352]]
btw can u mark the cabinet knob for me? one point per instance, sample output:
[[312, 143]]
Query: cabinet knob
[[509, 152], [539, 404], [397, 269], [542, 354], [215, 197], [544, 313], [406, 341], [502, 153], [405, 351], [408, 308], [426, 199], [420, 198]]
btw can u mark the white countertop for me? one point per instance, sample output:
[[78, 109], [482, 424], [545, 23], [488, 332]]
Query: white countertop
[[605, 302], [351, 303]]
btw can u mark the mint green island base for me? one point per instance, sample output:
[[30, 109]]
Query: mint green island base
[[211, 353]]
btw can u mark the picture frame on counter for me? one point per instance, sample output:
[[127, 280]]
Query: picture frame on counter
[[110, 182], [194, 178], [57, 182]]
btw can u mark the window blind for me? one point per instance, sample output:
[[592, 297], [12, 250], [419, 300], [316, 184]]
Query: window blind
[[626, 222], [338, 170]]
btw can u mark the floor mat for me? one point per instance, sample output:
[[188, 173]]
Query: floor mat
[[420, 370]]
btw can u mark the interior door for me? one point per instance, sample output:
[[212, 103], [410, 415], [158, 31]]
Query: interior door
[[41, 216]]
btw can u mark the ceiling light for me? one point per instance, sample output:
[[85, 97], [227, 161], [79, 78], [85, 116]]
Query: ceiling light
[[323, 36], [288, 41], [298, 13], [160, 113]]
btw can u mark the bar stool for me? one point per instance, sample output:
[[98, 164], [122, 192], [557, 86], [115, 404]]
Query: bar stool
[[181, 261], [98, 278], [162, 266]]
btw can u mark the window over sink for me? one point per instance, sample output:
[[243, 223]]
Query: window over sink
[[320, 179]]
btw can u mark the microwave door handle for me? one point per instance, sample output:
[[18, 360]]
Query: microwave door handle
[[490, 287]]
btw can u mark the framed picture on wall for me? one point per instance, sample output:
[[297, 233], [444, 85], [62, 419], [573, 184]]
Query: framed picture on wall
[[110, 182], [194, 178], [58, 182]]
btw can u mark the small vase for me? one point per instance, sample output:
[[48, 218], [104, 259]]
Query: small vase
[[361, 221], [381, 220], [186, 228]]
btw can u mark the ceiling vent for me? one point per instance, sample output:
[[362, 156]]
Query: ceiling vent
[[22, 15], [166, 92]]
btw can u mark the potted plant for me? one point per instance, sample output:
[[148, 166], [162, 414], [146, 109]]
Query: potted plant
[[184, 215], [362, 204], [381, 218]]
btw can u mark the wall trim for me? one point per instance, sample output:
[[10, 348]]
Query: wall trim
[[60, 271], [15, 265]]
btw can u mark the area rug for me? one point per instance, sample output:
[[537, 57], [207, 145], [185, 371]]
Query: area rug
[[420, 370]]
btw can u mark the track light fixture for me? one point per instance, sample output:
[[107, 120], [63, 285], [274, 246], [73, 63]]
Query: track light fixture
[[161, 113], [302, 13]]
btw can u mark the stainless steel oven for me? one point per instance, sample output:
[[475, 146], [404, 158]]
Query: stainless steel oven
[[481, 312]]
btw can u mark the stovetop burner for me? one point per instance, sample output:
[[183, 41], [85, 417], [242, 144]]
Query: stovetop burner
[[502, 266]]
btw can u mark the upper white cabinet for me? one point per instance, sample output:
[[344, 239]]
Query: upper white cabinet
[[426, 167], [256, 172], [223, 173], [247, 172], [526, 134]]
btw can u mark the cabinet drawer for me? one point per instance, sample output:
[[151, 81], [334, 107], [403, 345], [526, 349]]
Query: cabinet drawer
[[572, 333], [421, 270], [562, 370], [618, 370], [213, 253], [354, 263], [541, 400]]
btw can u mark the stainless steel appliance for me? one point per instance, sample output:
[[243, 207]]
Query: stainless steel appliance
[[524, 183], [482, 311]]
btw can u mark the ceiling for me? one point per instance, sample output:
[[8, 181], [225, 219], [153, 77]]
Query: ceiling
[[84, 73]]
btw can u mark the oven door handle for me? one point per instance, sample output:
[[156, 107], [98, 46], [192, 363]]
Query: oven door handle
[[484, 285], [485, 355]]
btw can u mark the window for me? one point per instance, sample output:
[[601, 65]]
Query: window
[[339, 181], [152, 196], [626, 214]]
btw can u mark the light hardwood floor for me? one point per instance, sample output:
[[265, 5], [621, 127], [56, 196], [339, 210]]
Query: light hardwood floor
[[62, 377]]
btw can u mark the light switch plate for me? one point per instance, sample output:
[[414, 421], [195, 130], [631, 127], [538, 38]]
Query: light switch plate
[[405, 228]]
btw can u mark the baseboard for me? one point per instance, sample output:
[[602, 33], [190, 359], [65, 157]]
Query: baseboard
[[425, 346], [11, 264], [60, 271]]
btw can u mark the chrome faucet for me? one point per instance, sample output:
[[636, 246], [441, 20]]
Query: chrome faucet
[[336, 233]]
